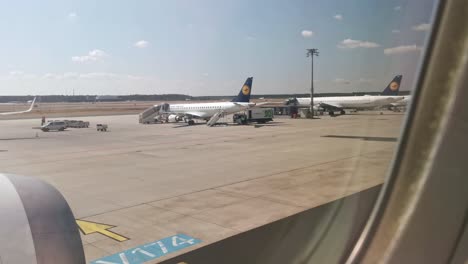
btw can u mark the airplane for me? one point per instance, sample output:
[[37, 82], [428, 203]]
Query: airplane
[[210, 112], [394, 93], [340, 103], [401, 104], [21, 112]]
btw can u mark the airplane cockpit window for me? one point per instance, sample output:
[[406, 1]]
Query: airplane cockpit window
[[209, 131]]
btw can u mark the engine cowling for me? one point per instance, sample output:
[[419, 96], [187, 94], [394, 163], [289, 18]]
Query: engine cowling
[[36, 225], [174, 118]]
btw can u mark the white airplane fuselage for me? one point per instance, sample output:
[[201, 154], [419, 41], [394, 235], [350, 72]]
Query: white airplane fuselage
[[351, 102], [207, 110], [403, 102]]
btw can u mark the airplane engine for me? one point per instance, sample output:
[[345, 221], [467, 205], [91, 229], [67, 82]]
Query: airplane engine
[[174, 118], [36, 225]]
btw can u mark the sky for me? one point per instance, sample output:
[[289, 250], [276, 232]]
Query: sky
[[208, 47]]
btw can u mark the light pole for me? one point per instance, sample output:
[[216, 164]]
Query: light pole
[[311, 53]]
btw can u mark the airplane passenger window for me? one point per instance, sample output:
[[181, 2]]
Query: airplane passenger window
[[299, 111]]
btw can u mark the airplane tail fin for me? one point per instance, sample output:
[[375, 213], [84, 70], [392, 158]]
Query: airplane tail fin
[[393, 87], [244, 94], [20, 112], [32, 105]]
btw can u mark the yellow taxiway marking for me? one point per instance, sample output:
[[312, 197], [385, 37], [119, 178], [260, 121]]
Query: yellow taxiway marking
[[88, 227]]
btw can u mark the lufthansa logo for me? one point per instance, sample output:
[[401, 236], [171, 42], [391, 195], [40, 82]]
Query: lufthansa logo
[[394, 86], [245, 90]]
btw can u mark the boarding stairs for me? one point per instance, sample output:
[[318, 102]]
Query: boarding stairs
[[215, 119], [153, 113]]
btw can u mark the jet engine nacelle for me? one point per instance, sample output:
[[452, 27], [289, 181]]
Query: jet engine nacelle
[[36, 224], [174, 118]]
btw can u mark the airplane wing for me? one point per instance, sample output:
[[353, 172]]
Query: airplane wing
[[262, 103], [194, 114], [265, 105], [21, 112], [249, 105], [331, 106]]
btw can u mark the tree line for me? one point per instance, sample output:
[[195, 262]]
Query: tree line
[[164, 97]]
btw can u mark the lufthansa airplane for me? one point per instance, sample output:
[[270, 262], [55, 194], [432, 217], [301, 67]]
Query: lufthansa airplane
[[210, 112], [21, 112], [402, 103], [340, 103]]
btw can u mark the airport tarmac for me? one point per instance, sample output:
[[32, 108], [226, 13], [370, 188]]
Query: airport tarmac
[[151, 182]]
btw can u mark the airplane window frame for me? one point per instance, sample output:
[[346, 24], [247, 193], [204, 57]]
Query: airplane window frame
[[399, 229], [442, 66]]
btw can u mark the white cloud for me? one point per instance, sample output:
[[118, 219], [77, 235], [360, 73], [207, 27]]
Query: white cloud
[[307, 33], [421, 27], [97, 53], [402, 49], [98, 75], [135, 77], [395, 31], [341, 81], [30, 76], [352, 44], [397, 8], [338, 17], [141, 44], [93, 55], [70, 75], [72, 16], [50, 76], [16, 73], [90, 76], [364, 80]]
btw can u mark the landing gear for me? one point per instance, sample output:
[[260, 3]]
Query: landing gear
[[342, 112], [191, 122], [331, 113]]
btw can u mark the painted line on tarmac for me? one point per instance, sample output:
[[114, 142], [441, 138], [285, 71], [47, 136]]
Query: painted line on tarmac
[[149, 251]]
